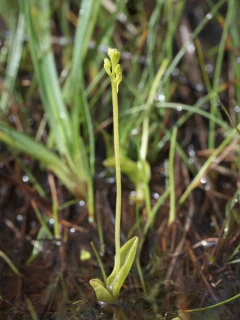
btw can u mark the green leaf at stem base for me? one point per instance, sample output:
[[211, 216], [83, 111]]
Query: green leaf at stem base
[[109, 293]]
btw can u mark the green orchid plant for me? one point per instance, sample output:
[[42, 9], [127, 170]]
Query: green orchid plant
[[108, 292]]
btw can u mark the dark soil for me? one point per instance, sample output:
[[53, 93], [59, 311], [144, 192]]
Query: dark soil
[[179, 271]]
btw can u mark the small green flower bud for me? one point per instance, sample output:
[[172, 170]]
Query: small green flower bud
[[114, 55], [111, 52], [118, 74], [107, 66], [118, 70]]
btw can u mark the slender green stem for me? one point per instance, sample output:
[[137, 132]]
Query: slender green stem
[[118, 172], [31, 309], [99, 262], [56, 220], [172, 213], [41, 220], [145, 130], [206, 165], [237, 296], [10, 263], [218, 69]]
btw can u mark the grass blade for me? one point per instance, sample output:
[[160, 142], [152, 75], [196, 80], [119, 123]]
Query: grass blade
[[20, 142], [10, 263], [37, 16], [13, 62]]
